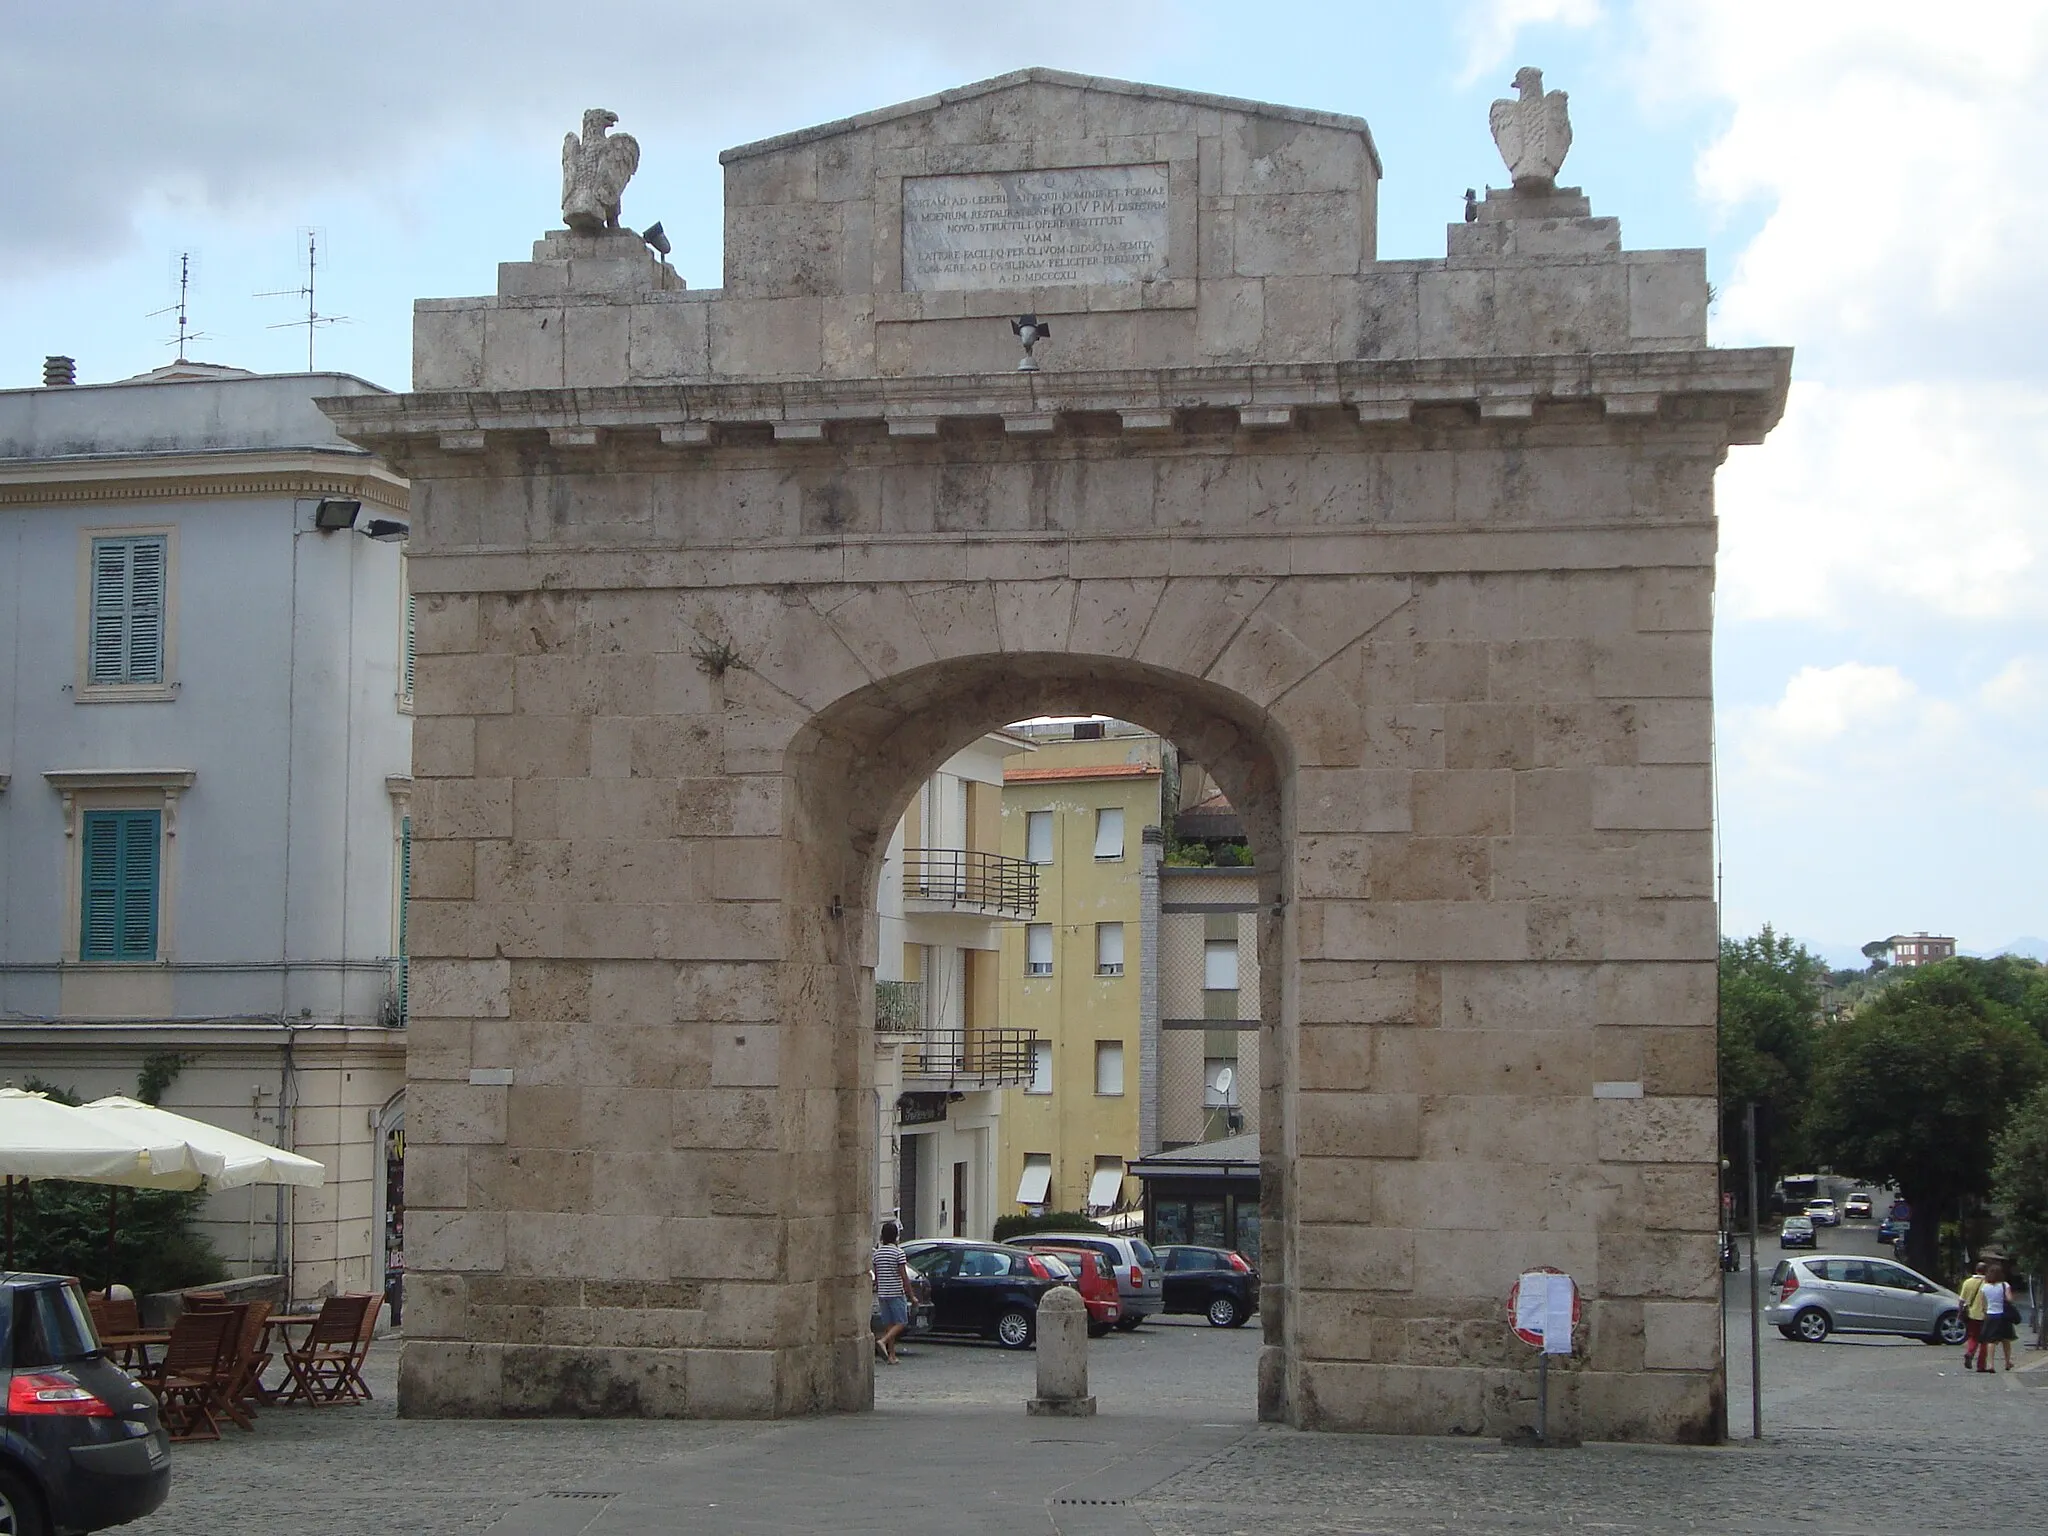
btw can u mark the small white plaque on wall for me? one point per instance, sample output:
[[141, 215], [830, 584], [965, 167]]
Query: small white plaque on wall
[[1034, 229], [1617, 1090], [490, 1077]]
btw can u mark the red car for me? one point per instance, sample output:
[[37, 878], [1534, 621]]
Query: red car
[[1096, 1285]]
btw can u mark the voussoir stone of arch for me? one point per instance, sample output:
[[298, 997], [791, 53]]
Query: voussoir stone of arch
[[710, 581]]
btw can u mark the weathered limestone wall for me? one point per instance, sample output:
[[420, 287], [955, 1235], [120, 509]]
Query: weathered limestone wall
[[1436, 618]]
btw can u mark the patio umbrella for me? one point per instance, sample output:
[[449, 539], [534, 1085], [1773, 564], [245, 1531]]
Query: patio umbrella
[[43, 1139], [224, 1159]]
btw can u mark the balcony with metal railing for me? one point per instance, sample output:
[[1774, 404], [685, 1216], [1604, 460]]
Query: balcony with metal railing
[[964, 1060], [968, 880]]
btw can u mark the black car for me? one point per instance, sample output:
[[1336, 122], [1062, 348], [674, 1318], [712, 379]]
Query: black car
[[1213, 1282], [989, 1289], [81, 1447]]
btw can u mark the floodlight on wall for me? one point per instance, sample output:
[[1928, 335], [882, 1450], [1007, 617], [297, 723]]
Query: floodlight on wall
[[335, 513], [385, 530]]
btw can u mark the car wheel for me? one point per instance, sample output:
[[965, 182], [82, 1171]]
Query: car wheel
[[21, 1512], [1223, 1312], [1128, 1323], [1100, 1330], [1812, 1325], [1949, 1329], [1788, 1330], [1014, 1329]]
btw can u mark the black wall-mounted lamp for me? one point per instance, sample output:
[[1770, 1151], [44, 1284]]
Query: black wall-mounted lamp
[[334, 514], [385, 530]]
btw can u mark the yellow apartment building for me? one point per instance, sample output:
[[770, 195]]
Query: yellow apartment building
[[1076, 809]]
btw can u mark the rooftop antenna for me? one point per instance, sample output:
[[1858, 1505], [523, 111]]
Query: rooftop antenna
[[185, 332], [314, 319]]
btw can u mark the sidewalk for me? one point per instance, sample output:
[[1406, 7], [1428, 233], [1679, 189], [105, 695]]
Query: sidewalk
[[1913, 1446]]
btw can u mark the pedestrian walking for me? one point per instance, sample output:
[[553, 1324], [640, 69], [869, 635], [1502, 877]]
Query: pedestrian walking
[[889, 1270], [2001, 1308], [1973, 1314]]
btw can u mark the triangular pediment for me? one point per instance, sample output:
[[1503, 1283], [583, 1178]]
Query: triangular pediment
[[1118, 98]]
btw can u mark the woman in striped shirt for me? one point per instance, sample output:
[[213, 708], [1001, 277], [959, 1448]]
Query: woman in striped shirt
[[892, 1295]]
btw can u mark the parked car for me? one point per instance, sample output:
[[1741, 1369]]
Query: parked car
[[990, 1289], [1814, 1296], [1212, 1282], [1857, 1207], [1821, 1213], [81, 1446], [1131, 1259], [1092, 1278], [1797, 1233]]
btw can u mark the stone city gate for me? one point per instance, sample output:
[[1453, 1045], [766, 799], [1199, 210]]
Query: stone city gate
[[1416, 556]]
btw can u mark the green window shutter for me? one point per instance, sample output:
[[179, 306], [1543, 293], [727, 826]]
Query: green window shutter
[[404, 901], [146, 611], [118, 885], [100, 886], [126, 635], [109, 632]]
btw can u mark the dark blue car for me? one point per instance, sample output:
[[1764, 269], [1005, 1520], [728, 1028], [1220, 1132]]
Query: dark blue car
[[81, 1447]]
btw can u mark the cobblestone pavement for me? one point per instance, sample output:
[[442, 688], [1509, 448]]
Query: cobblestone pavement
[[1874, 1435]]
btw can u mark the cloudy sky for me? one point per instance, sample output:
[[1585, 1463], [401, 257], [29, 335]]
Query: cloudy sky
[[1864, 176]]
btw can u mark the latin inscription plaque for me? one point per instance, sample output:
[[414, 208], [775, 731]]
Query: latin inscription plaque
[[1034, 229]]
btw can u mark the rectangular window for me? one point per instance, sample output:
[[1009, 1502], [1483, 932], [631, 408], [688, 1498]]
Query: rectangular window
[[1038, 949], [1219, 1082], [1041, 1067], [1109, 1069], [1219, 965], [125, 637], [1109, 949], [118, 885], [1036, 1185], [1038, 837], [1109, 833]]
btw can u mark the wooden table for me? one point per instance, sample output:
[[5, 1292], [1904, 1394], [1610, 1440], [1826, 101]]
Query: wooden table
[[279, 1326], [133, 1347]]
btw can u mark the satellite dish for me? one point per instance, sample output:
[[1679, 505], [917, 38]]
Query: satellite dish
[[1225, 1079]]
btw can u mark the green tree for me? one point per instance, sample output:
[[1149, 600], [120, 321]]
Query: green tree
[[2019, 1181], [1770, 999], [1914, 1087]]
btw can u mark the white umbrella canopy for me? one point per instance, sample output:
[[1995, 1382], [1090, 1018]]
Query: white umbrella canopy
[[43, 1139], [224, 1159]]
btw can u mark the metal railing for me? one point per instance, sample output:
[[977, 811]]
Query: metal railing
[[970, 1058], [967, 878], [899, 1007]]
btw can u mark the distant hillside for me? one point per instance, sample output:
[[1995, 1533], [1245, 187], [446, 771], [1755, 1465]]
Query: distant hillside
[[2032, 948]]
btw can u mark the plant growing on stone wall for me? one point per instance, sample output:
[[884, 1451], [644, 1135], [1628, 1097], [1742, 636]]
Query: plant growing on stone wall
[[160, 1069], [715, 658]]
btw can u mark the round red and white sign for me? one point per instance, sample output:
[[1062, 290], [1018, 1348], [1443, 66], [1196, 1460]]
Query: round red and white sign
[[1528, 1321]]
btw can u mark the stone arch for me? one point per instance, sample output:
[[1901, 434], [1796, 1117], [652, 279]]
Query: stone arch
[[853, 768]]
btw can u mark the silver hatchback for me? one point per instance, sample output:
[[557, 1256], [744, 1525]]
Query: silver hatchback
[[1814, 1296]]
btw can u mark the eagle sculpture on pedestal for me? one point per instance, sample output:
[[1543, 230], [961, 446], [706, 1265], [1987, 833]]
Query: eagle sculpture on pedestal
[[1533, 132], [595, 170]]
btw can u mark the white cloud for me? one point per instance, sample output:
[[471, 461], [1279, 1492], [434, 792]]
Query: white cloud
[[1493, 27], [1911, 496], [2019, 691], [109, 107]]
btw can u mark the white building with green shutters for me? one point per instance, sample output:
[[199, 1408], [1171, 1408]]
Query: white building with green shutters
[[205, 748]]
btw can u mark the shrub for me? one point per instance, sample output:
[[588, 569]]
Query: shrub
[[1008, 1227]]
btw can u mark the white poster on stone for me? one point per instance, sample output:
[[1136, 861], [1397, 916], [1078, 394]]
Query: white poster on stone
[[1034, 229], [1558, 1296]]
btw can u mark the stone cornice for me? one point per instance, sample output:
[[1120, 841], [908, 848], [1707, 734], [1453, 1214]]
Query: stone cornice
[[179, 476], [1740, 393]]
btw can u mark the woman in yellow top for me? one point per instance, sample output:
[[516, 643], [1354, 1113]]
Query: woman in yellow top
[[1972, 1294]]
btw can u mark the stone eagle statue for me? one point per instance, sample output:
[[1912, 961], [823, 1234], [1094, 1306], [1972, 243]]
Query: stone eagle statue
[[1533, 132], [595, 170]]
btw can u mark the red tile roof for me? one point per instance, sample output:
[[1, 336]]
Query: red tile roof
[[1097, 771]]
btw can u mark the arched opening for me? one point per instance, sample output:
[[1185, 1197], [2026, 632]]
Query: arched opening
[[852, 771]]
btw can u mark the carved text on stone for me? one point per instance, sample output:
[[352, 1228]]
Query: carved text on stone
[[1035, 229]]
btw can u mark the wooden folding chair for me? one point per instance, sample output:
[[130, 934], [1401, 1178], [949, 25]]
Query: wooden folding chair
[[321, 1365], [188, 1381], [238, 1392], [359, 1389]]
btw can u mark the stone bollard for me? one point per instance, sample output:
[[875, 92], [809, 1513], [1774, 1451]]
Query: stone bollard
[[1062, 1356]]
